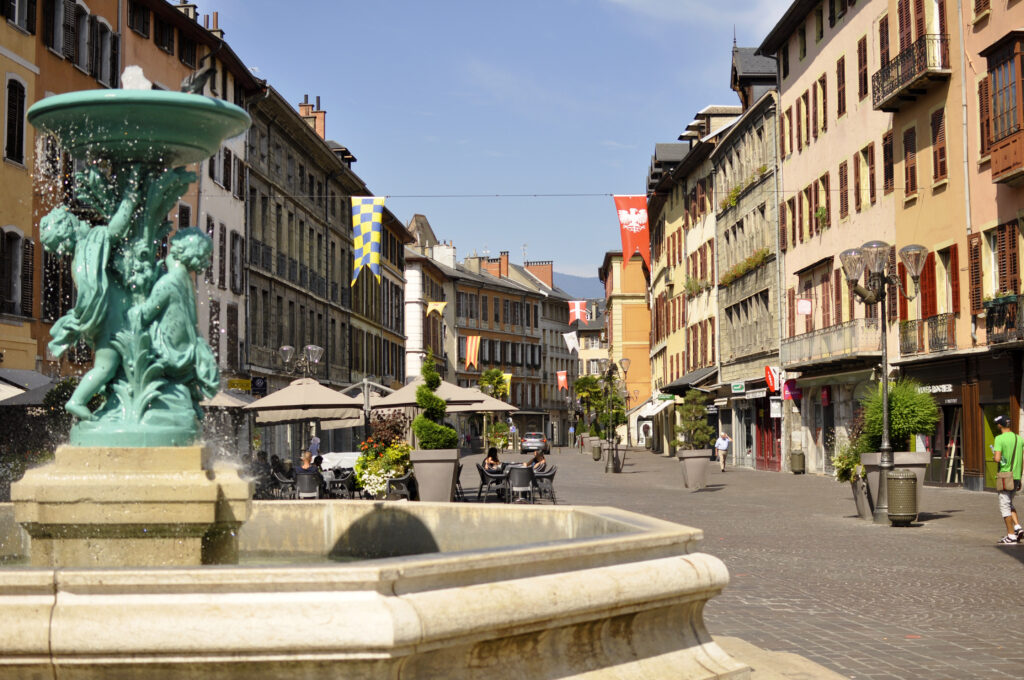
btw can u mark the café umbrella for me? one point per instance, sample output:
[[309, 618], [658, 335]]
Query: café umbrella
[[303, 400]]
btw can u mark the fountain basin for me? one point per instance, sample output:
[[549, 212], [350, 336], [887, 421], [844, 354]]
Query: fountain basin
[[139, 126], [435, 590]]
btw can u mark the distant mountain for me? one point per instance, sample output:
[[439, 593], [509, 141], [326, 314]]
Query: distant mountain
[[580, 287]]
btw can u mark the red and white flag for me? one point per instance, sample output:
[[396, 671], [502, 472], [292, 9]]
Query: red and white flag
[[578, 311], [472, 350], [636, 238], [563, 380]]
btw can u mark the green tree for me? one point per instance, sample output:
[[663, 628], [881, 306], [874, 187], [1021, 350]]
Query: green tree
[[694, 430], [496, 379], [910, 412], [428, 427]]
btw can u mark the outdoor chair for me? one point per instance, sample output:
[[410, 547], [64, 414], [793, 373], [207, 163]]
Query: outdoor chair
[[489, 479], [460, 495], [307, 485], [283, 486], [343, 485], [520, 484], [544, 483], [402, 487]]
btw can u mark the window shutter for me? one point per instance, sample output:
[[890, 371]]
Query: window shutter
[[816, 197], [939, 144], [226, 177], [48, 10], [862, 68], [28, 249], [892, 292], [30, 16], [984, 116], [826, 183], [903, 19], [928, 297], [823, 86], [974, 272], [919, 23], [826, 301], [954, 278], [840, 86], [883, 40], [844, 185], [115, 60], [211, 166], [782, 226], [1012, 266], [799, 217], [69, 29], [902, 270], [799, 126], [871, 172], [782, 134], [711, 262], [888, 176], [814, 110], [94, 46], [910, 161], [809, 294], [792, 312], [789, 129], [15, 142], [837, 294], [856, 181]]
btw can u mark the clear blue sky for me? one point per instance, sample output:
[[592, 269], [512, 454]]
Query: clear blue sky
[[436, 97]]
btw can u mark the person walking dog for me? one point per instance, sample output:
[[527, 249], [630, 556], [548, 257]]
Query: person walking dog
[[722, 448], [1008, 454]]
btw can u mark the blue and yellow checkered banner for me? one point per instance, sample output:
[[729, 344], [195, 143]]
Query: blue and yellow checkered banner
[[367, 216]]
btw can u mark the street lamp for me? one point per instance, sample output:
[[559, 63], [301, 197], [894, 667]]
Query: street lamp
[[311, 355], [873, 256], [624, 362], [486, 388]]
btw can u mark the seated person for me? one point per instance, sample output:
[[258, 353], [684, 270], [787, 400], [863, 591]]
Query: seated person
[[491, 462], [539, 463], [318, 462], [306, 466]]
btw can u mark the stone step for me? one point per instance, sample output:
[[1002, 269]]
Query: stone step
[[767, 665]]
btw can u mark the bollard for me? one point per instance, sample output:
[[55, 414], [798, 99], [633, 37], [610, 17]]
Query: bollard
[[595, 450], [796, 462], [902, 489]]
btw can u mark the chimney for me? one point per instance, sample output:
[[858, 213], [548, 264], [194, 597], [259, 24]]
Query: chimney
[[314, 116], [491, 265], [216, 30], [503, 264], [472, 264], [543, 270], [188, 9]]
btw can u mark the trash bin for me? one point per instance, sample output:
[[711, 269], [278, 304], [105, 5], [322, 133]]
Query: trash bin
[[595, 449], [796, 462], [902, 489]]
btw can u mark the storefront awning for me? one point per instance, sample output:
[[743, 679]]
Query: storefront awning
[[691, 379], [653, 408]]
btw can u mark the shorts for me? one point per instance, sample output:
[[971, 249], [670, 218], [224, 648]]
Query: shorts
[[1006, 502]]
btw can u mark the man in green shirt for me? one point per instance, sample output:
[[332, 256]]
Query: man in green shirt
[[1008, 453]]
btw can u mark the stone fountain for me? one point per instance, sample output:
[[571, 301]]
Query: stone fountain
[[121, 530]]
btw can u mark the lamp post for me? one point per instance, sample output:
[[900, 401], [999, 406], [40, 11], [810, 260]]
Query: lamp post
[[624, 362], [306, 363], [873, 257], [486, 388]]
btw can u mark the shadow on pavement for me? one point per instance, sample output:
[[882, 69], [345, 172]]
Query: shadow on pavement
[[1014, 551], [711, 487], [929, 516]]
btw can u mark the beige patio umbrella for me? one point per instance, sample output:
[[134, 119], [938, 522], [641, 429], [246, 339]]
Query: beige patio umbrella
[[452, 394], [227, 400], [487, 403], [305, 399]]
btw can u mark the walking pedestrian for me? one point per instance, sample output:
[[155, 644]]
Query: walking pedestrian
[[722, 448], [1008, 453], [572, 435]]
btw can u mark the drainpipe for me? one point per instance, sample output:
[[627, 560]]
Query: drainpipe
[[780, 276], [963, 127]]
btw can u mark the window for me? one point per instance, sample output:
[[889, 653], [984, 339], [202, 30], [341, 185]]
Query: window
[[83, 51], [984, 118], [888, 175], [163, 35], [862, 68], [823, 108], [938, 145], [215, 328], [53, 25], [16, 272], [819, 24], [784, 56], [904, 25], [910, 161], [237, 262], [1005, 238], [208, 276], [22, 13], [980, 6], [1004, 98], [883, 40], [807, 118], [138, 18], [799, 124], [844, 200], [801, 36], [840, 86], [187, 51], [14, 138]]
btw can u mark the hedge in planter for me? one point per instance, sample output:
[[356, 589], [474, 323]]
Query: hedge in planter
[[428, 427], [910, 412]]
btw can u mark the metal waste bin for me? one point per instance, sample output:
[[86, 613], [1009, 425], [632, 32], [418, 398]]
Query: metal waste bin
[[796, 462], [595, 449], [902, 489]]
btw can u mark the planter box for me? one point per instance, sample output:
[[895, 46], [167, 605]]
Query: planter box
[[862, 498], [435, 473], [916, 461], [695, 467]]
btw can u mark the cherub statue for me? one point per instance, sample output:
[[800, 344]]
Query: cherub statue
[[99, 311]]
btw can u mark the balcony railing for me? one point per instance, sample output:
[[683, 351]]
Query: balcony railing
[[1003, 321], [268, 257], [906, 75], [844, 341], [282, 265], [911, 337], [941, 332], [293, 270]]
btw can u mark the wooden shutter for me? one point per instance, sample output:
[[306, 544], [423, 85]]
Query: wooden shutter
[[929, 301], [48, 16], [856, 181], [28, 249], [799, 216], [232, 323], [984, 116], [782, 134], [837, 294], [883, 40], [826, 301], [791, 311], [711, 327], [799, 126], [1012, 266], [789, 128], [903, 19], [30, 16], [711, 262], [815, 222], [862, 68], [844, 185], [69, 28], [974, 272], [871, 172], [822, 87], [782, 226], [910, 161], [903, 282], [888, 174], [807, 118], [826, 183], [892, 292], [115, 59], [939, 144], [919, 22], [94, 46], [809, 294], [814, 110], [954, 278], [840, 86]]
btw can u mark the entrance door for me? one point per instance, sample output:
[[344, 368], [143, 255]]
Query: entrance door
[[828, 443], [769, 456]]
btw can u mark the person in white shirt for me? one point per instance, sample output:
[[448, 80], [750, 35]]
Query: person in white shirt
[[722, 447]]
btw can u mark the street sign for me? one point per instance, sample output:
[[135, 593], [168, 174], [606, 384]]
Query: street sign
[[775, 407], [258, 387], [791, 391], [739, 387], [242, 384], [666, 397]]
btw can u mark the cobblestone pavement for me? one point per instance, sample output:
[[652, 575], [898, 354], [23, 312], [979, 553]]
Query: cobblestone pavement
[[937, 600]]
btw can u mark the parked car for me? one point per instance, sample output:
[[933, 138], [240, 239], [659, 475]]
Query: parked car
[[534, 441]]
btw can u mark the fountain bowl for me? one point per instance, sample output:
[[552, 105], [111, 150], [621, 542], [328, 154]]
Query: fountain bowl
[[139, 126]]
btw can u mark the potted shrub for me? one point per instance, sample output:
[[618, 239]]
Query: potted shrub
[[435, 460], [911, 412], [379, 462], [848, 468], [695, 436]]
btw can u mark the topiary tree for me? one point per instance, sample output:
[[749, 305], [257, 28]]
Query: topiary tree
[[694, 430], [428, 427], [496, 379], [910, 412]]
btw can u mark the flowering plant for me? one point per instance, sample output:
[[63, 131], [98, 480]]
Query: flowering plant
[[379, 462], [376, 484]]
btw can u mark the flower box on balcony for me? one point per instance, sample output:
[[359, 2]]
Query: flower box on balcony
[[1002, 300]]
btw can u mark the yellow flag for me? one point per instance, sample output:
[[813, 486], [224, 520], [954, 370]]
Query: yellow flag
[[508, 383], [436, 306]]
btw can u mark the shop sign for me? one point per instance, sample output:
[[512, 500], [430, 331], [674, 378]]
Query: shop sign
[[243, 385], [259, 387], [775, 407], [711, 409], [666, 397], [771, 377], [803, 307], [756, 394], [791, 391], [935, 389], [826, 396], [739, 387]]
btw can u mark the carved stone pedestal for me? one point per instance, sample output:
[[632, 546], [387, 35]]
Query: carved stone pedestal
[[141, 507]]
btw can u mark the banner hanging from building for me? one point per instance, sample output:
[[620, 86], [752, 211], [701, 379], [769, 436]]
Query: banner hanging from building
[[636, 237], [572, 341], [367, 223], [508, 384], [578, 311], [472, 351], [436, 307], [563, 380]]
